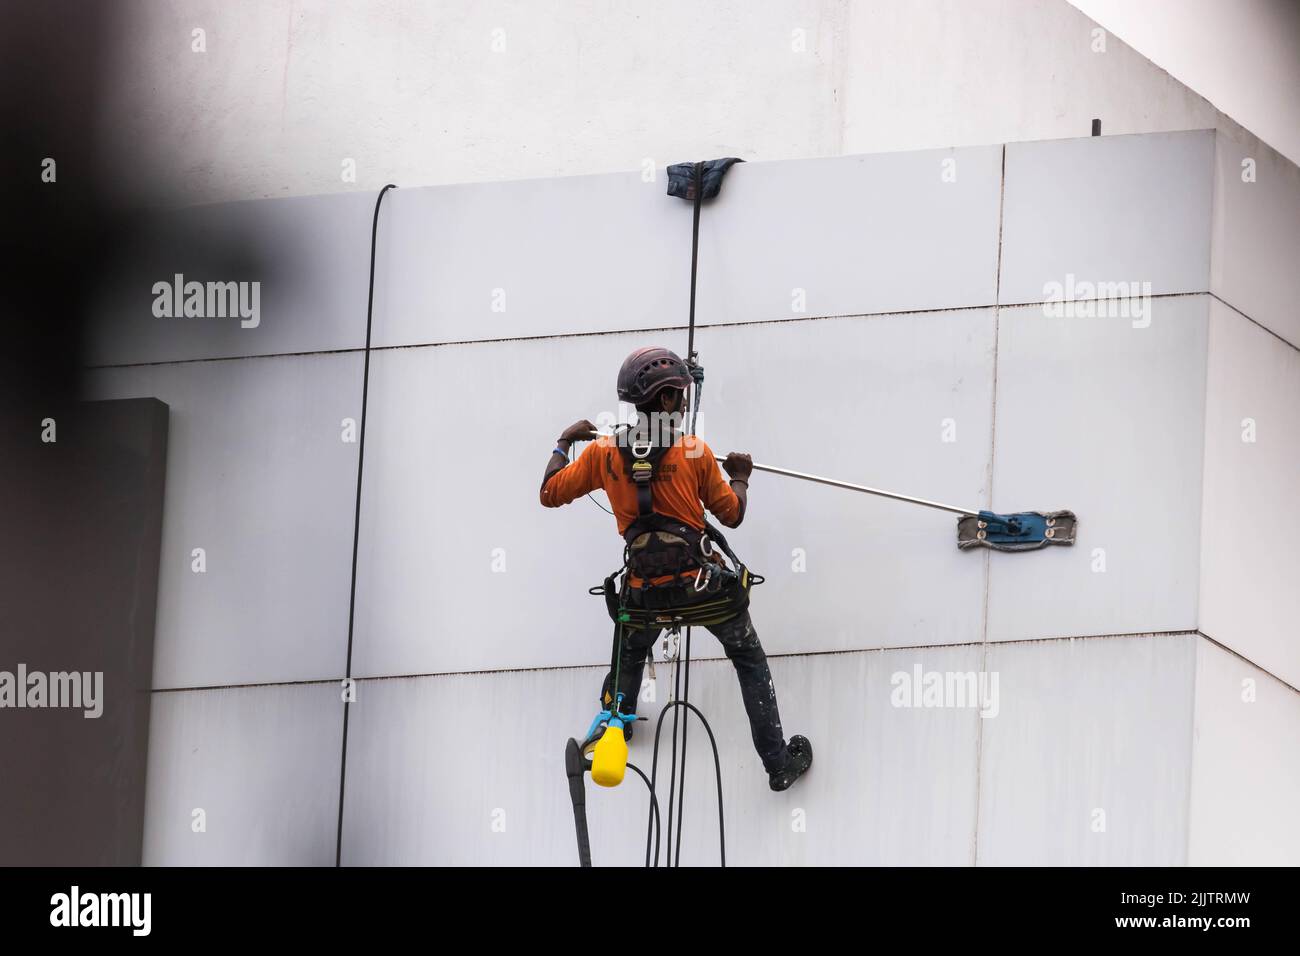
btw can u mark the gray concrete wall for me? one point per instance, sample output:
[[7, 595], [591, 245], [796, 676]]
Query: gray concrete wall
[[286, 91]]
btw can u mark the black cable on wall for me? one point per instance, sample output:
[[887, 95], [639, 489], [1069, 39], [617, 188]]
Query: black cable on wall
[[356, 520]]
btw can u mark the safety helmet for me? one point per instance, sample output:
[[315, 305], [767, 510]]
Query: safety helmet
[[647, 370]]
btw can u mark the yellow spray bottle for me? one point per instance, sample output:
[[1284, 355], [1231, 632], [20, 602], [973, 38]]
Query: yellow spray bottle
[[609, 755], [609, 762]]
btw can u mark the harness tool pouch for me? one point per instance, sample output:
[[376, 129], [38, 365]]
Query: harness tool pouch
[[657, 546]]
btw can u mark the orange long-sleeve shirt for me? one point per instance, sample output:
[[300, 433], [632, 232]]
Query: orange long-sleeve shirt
[[687, 480]]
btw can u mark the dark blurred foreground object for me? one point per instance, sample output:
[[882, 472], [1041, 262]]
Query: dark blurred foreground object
[[79, 547], [79, 587], [58, 196]]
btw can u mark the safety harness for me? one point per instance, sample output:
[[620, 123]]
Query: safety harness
[[657, 546]]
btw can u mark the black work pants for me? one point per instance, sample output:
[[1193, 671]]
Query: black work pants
[[740, 643]]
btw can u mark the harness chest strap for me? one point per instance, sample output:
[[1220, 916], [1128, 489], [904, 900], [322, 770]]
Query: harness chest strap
[[641, 459]]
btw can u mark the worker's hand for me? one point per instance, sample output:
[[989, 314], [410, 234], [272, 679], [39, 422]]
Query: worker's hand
[[739, 465], [579, 431]]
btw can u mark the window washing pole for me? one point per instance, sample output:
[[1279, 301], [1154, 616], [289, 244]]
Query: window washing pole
[[1023, 531], [836, 483]]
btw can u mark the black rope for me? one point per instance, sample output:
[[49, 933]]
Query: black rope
[[356, 517], [695, 261], [682, 668], [686, 690], [681, 672], [672, 779], [681, 792], [576, 766], [695, 256], [654, 804], [717, 770]]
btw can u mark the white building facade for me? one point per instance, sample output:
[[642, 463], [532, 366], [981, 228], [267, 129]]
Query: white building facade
[[880, 318]]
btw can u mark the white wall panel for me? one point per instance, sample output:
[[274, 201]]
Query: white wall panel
[[859, 399], [889, 785], [1250, 525], [310, 256], [258, 476], [262, 763], [859, 234], [1245, 765], [1103, 724], [868, 401], [540, 257], [1256, 230], [1108, 209], [1107, 420], [608, 253]]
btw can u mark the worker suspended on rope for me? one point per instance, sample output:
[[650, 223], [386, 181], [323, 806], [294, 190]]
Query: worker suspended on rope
[[659, 481]]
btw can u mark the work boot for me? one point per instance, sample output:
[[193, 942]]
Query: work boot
[[800, 760]]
